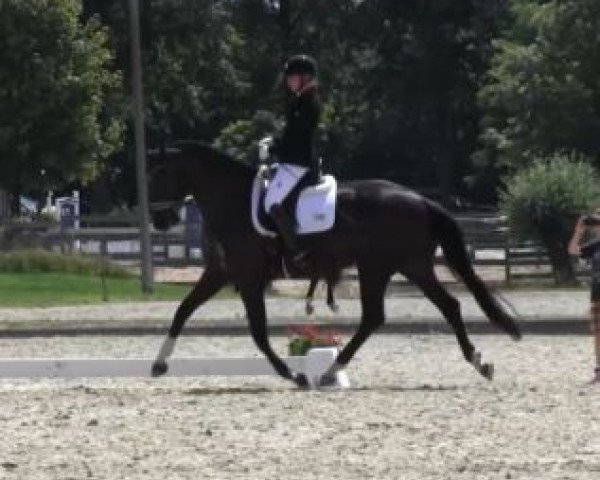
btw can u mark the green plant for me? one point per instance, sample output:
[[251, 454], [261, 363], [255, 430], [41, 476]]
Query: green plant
[[542, 201], [42, 261]]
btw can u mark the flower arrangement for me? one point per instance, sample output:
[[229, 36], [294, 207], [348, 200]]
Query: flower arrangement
[[305, 337]]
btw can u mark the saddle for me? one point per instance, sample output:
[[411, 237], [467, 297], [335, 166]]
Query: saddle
[[315, 208]]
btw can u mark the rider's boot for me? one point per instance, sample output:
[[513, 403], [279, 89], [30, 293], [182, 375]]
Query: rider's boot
[[287, 231]]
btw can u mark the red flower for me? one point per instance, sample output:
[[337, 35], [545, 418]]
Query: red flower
[[311, 333]]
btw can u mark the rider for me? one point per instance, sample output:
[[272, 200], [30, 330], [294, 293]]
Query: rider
[[298, 165]]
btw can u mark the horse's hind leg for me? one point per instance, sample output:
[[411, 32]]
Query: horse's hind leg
[[311, 292], [331, 299], [210, 283], [310, 295], [450, 308]]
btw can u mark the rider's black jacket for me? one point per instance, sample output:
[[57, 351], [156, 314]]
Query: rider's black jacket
[[297, 143]]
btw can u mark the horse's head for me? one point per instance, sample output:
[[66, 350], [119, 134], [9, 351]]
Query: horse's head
[[194, 168], [164, 192]]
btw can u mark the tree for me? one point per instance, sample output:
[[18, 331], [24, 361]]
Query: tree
[[543, 200], [398, 79], [420, 66], [59, 98], [542, 95], [194, 76]]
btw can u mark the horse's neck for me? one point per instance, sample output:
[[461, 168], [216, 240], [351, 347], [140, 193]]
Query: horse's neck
[[223, 195]]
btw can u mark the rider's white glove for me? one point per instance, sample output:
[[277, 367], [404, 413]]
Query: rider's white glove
[[263, 148]]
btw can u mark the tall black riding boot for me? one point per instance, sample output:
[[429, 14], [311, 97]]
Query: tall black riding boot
[[286, 228]]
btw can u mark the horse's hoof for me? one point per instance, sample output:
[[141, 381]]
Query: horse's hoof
[[309, 309], [300, 380], [334, 307], [328, 380], [487, 370], [159, 368]]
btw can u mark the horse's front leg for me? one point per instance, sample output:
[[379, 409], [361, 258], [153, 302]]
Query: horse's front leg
[[211, 281], [254, 301], [373, 283]]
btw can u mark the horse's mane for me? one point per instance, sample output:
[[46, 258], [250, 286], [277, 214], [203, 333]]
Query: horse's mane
[[218, 159]]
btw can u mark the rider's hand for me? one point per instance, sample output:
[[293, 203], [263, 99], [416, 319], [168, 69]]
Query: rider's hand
[[264, 148]]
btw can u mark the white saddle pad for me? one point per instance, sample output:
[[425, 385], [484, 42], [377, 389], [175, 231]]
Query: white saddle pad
[[315, 210]]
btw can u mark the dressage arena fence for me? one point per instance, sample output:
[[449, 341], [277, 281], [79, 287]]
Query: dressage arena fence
[[313, 365]]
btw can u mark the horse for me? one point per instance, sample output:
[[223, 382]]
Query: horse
[[310, 293], [380, 227]]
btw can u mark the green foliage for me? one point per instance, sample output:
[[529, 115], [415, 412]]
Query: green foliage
[[55, 87], [41, 261], [542, 93], [194, 78], [543, 200], [552, 191], [398, 81], [241, 137]]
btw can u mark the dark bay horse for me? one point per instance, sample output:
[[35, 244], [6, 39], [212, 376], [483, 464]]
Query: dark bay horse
[[310, 294], [380, 227]]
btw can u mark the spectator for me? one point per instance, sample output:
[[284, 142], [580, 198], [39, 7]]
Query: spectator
[[585, 243]]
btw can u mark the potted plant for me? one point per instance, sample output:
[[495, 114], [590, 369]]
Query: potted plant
[[305, 337]]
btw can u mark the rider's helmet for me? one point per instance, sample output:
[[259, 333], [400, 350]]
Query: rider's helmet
[[302, 64]]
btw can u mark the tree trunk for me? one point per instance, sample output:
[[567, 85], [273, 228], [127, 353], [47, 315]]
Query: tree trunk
[[560, 260]]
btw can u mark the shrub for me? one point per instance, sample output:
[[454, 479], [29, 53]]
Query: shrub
[[40, 261], [542, 201]]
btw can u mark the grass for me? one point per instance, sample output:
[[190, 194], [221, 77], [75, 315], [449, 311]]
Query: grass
[[48, 289], [37, 278]]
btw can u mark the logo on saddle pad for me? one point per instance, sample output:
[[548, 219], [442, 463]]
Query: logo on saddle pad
[[315, 209]]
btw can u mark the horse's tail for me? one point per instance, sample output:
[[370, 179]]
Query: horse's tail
[[449, 234]]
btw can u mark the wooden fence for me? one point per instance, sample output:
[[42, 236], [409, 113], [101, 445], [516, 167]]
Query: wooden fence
[[178, 247], [488, 241]]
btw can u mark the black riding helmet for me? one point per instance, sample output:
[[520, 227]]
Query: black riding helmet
[[302, 64]]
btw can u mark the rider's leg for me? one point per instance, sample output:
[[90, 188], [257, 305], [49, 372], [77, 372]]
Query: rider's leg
[[285, 226], [283, 216]]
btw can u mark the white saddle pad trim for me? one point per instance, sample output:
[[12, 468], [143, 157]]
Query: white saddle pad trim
[[286, 177], [315, 211], [255, 200]]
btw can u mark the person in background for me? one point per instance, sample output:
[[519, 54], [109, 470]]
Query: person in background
[[585, 243]]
